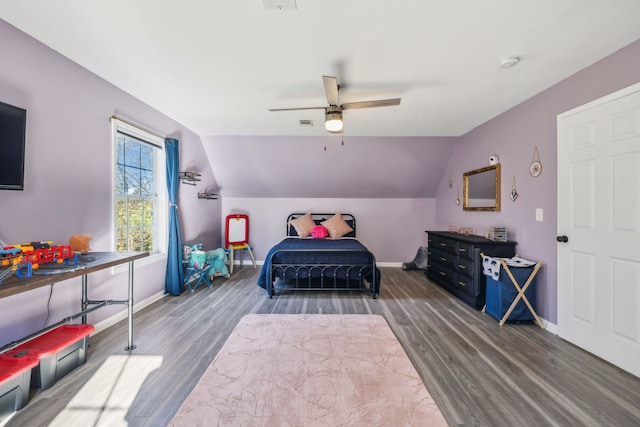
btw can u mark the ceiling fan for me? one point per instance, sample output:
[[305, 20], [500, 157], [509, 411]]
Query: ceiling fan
[[333, 112]]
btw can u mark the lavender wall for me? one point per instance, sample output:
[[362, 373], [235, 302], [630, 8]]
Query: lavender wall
[[69, 174], [513, 136], [393, 229]]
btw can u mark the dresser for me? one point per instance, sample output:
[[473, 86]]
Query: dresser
[[454, 262]]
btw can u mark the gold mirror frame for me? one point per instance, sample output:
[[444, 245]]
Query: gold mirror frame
[[485, 196]]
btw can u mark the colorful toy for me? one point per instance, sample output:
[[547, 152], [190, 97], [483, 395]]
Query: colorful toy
[[219, 260], [24, 258], [198, 259]]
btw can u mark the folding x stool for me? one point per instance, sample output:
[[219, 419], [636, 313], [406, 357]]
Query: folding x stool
[[198, 275]]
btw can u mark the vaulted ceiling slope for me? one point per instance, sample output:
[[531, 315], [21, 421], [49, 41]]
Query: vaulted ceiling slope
[[332, 167], [217, 67]]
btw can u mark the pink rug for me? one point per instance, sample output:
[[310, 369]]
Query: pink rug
[[310, 370]]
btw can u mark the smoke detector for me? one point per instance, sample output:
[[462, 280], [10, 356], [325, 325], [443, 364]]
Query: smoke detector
[[279, 4], [509, 62]]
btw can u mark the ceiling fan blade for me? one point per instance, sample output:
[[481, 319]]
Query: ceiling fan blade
[[331, 88], [298, 108], [371, 104]]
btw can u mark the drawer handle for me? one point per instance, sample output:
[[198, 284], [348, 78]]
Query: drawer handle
[[462, 284], [443, 274], [462, 267], [428, 252], [462, 250], [444, 245], [442, 259]]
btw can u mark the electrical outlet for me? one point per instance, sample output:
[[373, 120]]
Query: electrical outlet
[[539, 214]]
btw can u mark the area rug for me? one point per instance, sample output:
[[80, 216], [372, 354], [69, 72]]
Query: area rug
[[310, 370]]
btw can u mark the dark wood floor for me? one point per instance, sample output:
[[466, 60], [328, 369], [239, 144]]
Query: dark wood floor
[[479, 373]]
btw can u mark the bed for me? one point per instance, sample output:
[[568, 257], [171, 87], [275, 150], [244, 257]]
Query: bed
[[307, 263]]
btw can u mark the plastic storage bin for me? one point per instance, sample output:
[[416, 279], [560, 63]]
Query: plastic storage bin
[[15, 378], [60, 351]]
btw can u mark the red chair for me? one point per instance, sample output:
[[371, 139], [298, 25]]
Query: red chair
[[236, 238]]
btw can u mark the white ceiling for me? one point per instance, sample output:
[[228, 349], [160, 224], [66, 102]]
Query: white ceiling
[[218, 66]]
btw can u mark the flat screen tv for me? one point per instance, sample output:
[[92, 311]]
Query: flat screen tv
[[13, 126]]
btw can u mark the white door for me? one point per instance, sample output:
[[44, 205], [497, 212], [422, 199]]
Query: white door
[[599, 215]]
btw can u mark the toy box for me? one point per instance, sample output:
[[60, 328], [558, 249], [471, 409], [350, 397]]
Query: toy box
[[60, 351], [15, 378]]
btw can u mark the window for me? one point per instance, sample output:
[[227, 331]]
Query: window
[[139, 190]]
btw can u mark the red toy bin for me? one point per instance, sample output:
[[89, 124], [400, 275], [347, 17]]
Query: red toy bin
[[15, 378], [60, 351]]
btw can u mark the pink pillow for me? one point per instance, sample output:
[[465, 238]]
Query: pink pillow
[[319, 232]]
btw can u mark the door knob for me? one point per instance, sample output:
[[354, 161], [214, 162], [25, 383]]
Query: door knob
[[562, 239]]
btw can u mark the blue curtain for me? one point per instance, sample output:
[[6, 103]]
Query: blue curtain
[[174, 277]]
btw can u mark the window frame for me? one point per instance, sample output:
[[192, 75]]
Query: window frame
[[161, 215]]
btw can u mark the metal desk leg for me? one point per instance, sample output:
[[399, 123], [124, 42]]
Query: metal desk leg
[[131, 346], [85, 303]]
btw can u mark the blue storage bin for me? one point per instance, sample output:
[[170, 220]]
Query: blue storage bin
[[501, 293]]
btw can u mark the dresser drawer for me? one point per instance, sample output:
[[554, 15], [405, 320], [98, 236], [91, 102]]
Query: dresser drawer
[[465, 284], [466, 267], [445, 259], [465, 250], [445, 274], [447, 245]]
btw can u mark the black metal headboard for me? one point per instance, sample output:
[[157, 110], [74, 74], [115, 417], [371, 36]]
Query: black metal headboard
[[318, 218]]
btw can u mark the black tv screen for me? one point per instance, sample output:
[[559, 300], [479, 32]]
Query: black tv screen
[[13, 125]]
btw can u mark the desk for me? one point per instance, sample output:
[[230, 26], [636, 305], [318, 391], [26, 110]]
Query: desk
[[16, 285]]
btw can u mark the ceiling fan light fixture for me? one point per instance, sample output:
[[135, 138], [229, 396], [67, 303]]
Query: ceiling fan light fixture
[[333, 122]]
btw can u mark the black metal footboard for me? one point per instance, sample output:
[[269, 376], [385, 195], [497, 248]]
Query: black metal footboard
[[324, 269]]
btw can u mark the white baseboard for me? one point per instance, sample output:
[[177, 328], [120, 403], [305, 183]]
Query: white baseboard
[[389, 264], [549, 327], [123, 314]]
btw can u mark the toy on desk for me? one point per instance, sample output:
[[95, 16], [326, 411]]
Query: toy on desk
[[80, 243], [24, 258], [218, 259]]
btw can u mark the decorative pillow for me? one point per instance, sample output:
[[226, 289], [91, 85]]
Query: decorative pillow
[[336, 226], [188, 249], [303, 225], [319, 232]]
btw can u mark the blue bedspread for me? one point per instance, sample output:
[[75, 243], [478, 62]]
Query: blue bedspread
[[347, 251]]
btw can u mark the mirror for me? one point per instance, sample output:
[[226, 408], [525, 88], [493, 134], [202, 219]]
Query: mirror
[[481, 189]]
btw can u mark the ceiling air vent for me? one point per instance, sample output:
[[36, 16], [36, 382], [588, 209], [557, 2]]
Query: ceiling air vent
[[279, 4], [306, 122]]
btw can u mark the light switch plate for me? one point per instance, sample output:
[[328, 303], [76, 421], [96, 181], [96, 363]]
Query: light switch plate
[[539, 214]]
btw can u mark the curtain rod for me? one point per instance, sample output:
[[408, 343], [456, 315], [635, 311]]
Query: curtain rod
[[137, 126]]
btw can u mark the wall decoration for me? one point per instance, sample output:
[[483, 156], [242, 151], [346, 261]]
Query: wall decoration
[[514, 193], [451, 178], [535, 169]]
